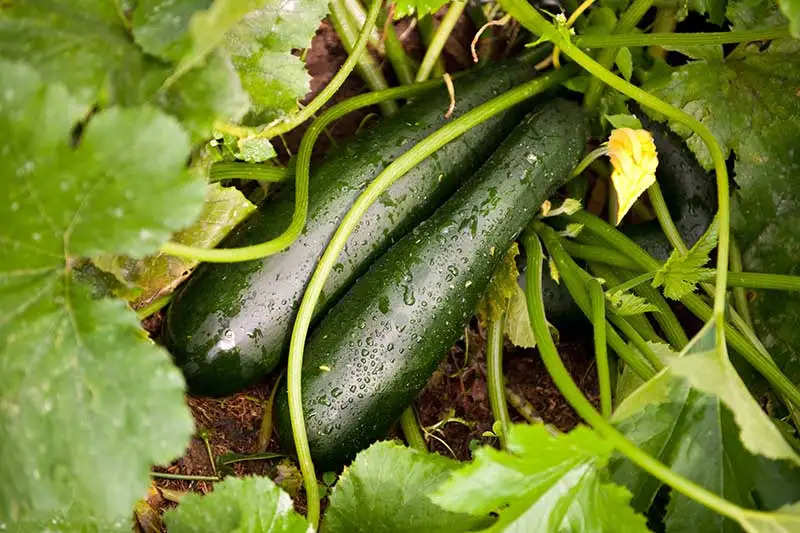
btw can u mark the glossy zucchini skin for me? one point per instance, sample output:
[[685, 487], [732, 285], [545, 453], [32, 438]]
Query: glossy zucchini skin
[[690, 193], [377, 347], [229, 325]]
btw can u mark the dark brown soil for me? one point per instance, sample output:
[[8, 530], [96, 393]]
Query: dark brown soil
[[457, 390]]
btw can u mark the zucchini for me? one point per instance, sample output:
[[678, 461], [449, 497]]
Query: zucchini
[[377, 347], [229, 325]]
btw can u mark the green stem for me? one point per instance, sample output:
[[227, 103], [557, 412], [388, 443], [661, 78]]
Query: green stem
[[639, 322], [665, 22], [426, 31], [439, 38], [411, 430], [397, 56], [257, 251], [629, 19], [598, 300], [358, 17], [531, 19], [739, 293], [265, 430], [573, 395], [680, 39], [631, 283], [761, 362], [757, 280], [600, 254], [184, 477], [336, 82], [228, 170], [329, 258], [577, 289], [665, 220], [494, 376], [154, 306], [367, 67], [523, 407]]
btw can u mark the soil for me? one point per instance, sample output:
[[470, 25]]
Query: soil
[[457, 391]]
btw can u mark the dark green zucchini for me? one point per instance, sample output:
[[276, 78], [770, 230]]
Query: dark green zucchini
[[229, 325], [377, 347], [690, 193]]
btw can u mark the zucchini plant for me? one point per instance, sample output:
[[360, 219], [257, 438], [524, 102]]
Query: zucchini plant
[[648, 151]]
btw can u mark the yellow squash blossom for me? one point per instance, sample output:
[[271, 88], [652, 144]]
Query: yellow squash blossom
[[634, 158]]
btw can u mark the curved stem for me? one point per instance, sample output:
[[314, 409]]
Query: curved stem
[[578, 401], [228, 170], [368, 69], [680, 39], [154, 306], [336, 82], [384, 180], [600, 254], [598, 300], [273, 246], [411, 431], [439, 38], [494, 376], [664, 218]]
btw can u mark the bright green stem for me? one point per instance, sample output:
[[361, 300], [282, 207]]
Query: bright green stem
[[664, 218], [411, 431], [153, 307], [665, 22], [598, 300], [757, 280], [573, 395], [439, 38], [531, 19], [184, 477], [629, 19], [739, 293], [426, 31], [281, 242], [577, 289], [229, 170], [600, 254], [397, 56], [631, 283], [368, 68], [325, 94], [382, 181], [494, 376], [761, 362], [680, 39], [358, 17], [639, 322]]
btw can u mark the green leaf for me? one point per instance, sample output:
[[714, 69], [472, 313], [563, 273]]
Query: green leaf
[[626, 304], [160, 274], [710, 371], [160, 26], [696, 437], [680, 273], [518, 324], [83, 391], [624, 121], [407, 8], [387, 488], [238, 505], [754, 14], [543, 483], [784, 520], [501, 287], [791, 8], [624, 62]]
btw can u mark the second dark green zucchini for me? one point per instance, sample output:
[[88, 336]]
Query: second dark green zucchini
[[377, 347]]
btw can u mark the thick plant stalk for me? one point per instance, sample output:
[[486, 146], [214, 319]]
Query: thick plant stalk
[[411, 431], [494, 376]]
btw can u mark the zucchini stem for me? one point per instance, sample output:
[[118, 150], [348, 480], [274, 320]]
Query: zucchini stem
[[494, 376], [680, 39], [598, 300], [439, 38], [228, 170], [412, 431]]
